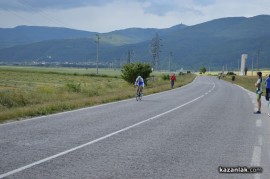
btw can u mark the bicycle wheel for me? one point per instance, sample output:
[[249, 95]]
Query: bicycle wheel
[[137, 97], [140, 95]]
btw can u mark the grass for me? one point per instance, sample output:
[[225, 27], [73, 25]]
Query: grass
[[29, 92], [249, 73], [72, 71], [247, 82]]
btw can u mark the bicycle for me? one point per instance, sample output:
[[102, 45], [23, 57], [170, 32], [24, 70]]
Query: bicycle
[[139, 94]]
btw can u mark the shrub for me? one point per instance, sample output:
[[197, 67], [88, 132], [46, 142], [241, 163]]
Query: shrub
[[132, 70], [74, 87], [13, 99], [202, 70], [181, 73], [231, 73], [165, 77]]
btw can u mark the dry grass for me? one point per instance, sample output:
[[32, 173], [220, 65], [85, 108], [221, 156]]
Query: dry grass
[[32, 92]]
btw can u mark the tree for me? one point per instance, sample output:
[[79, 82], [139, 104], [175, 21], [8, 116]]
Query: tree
[[132, 70], [202, 69]]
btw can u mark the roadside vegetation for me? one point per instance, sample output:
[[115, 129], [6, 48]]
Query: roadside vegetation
[[246, 81], [29, 92]]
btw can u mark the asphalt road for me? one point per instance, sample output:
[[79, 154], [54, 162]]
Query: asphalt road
[[183, 133]]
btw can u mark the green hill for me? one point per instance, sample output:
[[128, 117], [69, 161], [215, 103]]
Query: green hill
[[215, 43], [29, 34]]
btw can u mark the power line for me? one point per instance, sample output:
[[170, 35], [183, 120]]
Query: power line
[[43, 13], [18, 15]]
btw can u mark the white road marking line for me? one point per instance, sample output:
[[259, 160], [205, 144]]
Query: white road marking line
[[257, 176], [256, 159], [256, 156], [260, 140], [259, 123], [96, 140]]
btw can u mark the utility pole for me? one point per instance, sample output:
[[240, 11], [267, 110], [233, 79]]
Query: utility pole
[[119, 62], [258, 54], [252, 69], [238, 67], [130, 56], [155, 51], [170, 61], [97, 41]]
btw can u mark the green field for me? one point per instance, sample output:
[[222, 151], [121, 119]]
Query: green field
[[111, 72], [28, 91]]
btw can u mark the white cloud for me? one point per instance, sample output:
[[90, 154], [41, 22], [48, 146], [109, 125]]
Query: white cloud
[[120, 14]]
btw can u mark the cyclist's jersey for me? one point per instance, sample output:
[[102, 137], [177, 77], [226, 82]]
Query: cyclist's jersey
[[139, 81], [267, 83]]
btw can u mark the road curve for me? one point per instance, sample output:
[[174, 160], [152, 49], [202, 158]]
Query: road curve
[[182, 133]]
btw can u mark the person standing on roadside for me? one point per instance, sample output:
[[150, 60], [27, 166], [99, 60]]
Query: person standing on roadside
[[267, 88], [259, 92], [173, 78]]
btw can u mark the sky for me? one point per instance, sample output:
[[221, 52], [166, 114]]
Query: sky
[[108, 15]]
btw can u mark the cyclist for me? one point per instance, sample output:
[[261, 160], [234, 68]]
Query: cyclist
[[140, 83], [259, 92]]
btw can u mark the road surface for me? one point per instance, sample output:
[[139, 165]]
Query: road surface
[[187, 132]]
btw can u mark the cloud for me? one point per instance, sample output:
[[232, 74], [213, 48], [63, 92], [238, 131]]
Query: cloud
[[26, 5], [156, 7], [159, 9], [204, 2], [108, 15]]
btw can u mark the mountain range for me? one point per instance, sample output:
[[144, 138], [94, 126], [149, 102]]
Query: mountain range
[[213, 44]]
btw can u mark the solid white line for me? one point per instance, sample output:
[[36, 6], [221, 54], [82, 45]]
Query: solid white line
[[259, 123], [91, 107], [96, 140]]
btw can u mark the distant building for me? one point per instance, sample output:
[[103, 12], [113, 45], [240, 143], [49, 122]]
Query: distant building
[[243, 64]]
